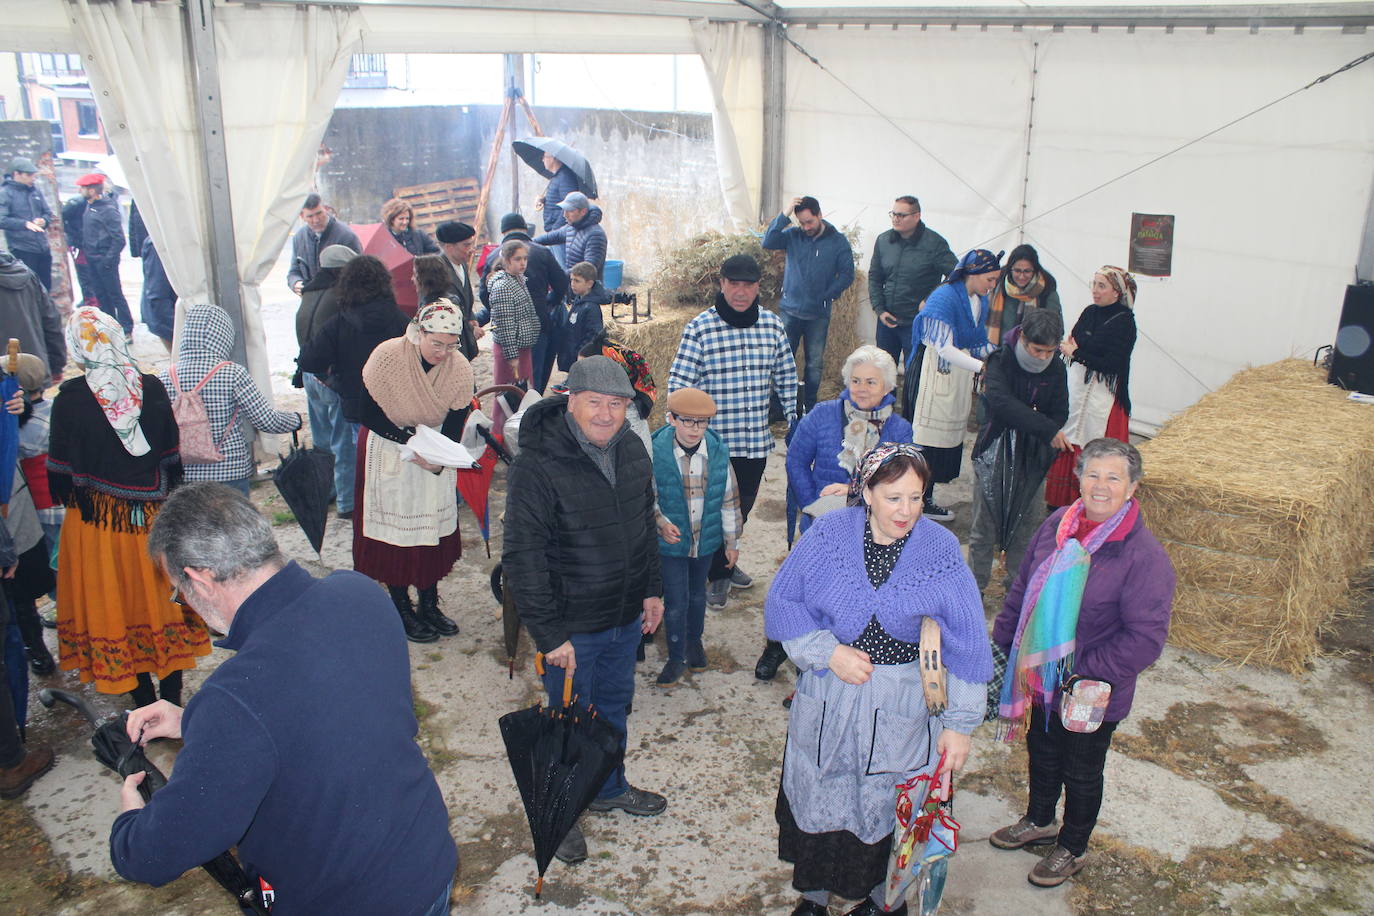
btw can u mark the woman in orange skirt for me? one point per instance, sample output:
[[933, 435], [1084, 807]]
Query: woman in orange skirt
[[1099, 356], [113, 457]]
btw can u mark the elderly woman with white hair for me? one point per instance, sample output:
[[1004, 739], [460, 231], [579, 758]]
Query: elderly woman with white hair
[[832, 438]]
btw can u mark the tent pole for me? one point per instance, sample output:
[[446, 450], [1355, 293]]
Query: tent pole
[[1364, 267], [515, 79], [224, 270], [1030, 126], [774, 109]]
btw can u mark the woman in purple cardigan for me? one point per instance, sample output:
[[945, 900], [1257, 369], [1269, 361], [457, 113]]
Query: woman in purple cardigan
[[847, 606], [1090, 604]]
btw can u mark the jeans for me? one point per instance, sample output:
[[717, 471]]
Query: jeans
[[1071, 762], [897, 342], [111, 294], [604, 680], [748, 476], [244, 485], [560, 253], [983, 536], [684, 602], [441, 904], [40, 262], [542, 355], [812, 331], [330, 430]]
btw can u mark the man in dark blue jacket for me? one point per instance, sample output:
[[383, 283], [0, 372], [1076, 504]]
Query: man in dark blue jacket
[[320, 231], [102, 241], [583, 234], [300, 748], [24, 215], [820, 267]]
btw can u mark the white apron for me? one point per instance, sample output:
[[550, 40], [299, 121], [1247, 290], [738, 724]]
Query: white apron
[[1090, 403], [403, 504], [942, 403]]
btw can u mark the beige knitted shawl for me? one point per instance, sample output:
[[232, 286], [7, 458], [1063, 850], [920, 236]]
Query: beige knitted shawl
[[410, 396]]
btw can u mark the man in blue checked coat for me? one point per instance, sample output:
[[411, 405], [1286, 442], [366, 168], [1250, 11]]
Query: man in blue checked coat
[[738, 353]]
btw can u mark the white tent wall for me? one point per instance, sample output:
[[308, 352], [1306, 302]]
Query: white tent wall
[[1270, 212], [732, 53]]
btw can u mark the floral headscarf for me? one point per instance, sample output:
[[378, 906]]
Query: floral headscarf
[[96, 342], [1122, 282], [879, 456], [439, 317], [977, 261]]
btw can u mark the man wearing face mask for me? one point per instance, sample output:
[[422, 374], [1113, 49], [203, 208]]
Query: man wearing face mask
[[1026, 390]]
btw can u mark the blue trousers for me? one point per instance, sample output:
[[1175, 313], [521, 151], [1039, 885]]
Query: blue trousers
[[684, 601], [604, 679], [812, 332], [330, 430]]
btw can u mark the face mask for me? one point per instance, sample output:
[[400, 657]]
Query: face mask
[[1030, 363]]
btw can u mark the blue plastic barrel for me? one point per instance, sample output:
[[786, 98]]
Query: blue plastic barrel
[[613, 274]]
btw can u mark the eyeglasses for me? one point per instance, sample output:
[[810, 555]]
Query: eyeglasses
[[444, 348], [896, 215], [1023, 270], [693, 422], [177, 598]]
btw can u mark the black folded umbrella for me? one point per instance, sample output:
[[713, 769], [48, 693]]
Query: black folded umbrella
[[560, 759], [305, 479], [114, 748], [1009, 471], [510, 617]]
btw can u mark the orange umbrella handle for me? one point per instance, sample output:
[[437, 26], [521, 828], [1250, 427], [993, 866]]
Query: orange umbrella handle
[[567, 681]]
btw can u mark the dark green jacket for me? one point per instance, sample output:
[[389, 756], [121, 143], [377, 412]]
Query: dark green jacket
[[904, 271]]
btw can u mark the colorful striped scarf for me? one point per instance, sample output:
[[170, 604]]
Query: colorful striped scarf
[[1042, 652]]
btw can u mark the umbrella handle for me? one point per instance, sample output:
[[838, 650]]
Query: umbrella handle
[[567, 681]]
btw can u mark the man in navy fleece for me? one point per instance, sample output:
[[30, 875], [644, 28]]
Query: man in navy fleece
[[300, 748]]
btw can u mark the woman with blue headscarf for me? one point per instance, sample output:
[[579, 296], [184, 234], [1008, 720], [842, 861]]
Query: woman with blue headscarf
[[953, 327]]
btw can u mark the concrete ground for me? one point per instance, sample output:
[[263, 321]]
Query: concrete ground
[[1228, 790]]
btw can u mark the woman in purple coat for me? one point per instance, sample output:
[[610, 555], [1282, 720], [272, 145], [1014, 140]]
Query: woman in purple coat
[[1090, 605]]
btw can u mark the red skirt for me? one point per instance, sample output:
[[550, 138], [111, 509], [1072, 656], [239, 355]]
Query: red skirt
[[1061, 483], [421, 567]]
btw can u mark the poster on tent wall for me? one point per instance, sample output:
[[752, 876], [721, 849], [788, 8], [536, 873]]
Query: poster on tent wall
[[1152, 244]]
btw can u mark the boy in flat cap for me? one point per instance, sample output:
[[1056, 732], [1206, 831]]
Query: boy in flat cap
[[698, 513]]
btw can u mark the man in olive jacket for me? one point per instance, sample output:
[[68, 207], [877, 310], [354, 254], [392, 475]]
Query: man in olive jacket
[[909, 260], [581, 555]]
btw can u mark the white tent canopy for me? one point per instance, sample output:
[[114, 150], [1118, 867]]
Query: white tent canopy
[[995, 115]]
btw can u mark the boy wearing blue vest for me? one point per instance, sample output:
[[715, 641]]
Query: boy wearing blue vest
[[698, 512]]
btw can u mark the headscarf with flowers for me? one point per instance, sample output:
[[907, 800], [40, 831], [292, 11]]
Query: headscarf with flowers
[[396, 378], [96, 342], [1122, 282]]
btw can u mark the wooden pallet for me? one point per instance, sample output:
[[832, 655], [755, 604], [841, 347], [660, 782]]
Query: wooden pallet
[[438, 201]]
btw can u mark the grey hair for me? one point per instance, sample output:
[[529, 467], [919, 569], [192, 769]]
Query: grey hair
[[207, 525], [1043, 327], [1112, 448], [869, 355]]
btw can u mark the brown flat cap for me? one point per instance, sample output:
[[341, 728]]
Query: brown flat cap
[[691, 402]]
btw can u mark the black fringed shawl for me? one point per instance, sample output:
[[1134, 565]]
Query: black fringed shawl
[[89, 468]]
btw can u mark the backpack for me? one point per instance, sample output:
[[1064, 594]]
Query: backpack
[[198, 446]]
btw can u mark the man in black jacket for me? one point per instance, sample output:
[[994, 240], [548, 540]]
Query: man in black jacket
[[24, 215], [1027, 390], [102, 241], [581, 555], [548, 285], [27, 313]]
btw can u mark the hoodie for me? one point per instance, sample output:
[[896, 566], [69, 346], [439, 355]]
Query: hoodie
[[27, 313], [207, 339], [339, 350]]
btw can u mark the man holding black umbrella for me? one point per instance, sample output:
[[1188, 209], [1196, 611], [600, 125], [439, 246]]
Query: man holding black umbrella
[[1027, 391], [300, 748], [581, 555]]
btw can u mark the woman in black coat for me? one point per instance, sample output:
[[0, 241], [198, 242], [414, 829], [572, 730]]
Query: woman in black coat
[[399, 219]]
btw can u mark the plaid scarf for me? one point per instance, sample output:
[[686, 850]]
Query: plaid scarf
[[997, 302], [1042, 651]]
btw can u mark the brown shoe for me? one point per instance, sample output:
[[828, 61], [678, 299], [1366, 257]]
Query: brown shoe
[[1056, 868], [15, 780], [1024, 833]]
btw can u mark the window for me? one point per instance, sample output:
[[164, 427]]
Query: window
[[60, 65], [88, 121], [3, 115], [366, 71], [47, 109]]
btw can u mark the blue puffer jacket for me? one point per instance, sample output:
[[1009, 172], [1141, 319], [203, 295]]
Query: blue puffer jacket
[[813, 455], [586, 241], [818, 269], [563, 183]]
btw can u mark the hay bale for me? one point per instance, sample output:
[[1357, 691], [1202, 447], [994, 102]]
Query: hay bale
[[1263, 494]]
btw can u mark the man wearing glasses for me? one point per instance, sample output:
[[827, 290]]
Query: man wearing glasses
[[909, 260]]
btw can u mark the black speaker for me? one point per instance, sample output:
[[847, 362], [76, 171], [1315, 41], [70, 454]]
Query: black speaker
[[1352, 362]]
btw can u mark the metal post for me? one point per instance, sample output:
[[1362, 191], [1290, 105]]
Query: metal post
[[1364, 267], [774, 105], [224, 269], [515, 79]]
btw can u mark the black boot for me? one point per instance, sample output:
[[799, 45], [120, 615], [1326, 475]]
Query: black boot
[[773, 656], [430, 613], [31, 629], [144, 694], [169, 688], [416, 629]]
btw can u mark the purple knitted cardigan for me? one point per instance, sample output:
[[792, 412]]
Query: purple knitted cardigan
[[823, 585]]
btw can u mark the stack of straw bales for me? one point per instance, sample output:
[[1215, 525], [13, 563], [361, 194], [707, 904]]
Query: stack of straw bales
[[686, 282], [1263, 494]]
